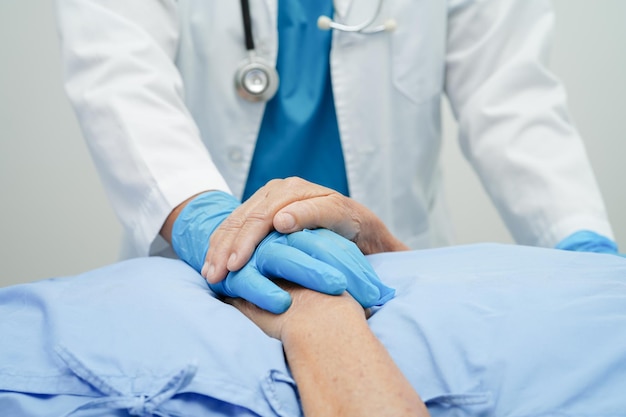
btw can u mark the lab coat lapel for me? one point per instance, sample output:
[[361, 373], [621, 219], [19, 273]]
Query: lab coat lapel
[[271, 7], [265, 27], [342, 7]]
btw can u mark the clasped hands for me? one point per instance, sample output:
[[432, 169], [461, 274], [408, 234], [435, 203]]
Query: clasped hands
[[317, 259], [239, 247]]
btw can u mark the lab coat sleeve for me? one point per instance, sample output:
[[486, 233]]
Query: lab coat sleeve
[[513, 120], [121, 78]]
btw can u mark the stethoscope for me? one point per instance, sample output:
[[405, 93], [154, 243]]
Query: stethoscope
[[256, 78]]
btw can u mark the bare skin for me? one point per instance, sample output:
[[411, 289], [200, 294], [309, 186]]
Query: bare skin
[[288, 205], [339, 365]]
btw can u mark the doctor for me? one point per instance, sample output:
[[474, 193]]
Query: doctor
[[350, 138]]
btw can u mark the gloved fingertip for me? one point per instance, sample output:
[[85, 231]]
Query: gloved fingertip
[[386, 294], [367, 297], [380, 296], [279, 303], [334, 283]]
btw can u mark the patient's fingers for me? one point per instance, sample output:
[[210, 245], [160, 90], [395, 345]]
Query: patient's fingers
[[268, 322]]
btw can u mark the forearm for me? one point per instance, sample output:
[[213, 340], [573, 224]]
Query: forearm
[[342, 369], [345, 371], [492, 46], [127, 93]]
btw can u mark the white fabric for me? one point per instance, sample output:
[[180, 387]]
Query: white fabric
[[152, 84]]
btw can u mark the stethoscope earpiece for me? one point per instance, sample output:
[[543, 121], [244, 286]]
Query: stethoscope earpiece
[[326, 23], [256, 79]]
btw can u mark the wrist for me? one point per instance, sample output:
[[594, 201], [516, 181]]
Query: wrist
[[168, 225], [196, 221], [314, 315]]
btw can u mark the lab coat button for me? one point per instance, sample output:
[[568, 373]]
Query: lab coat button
[[235, 154]]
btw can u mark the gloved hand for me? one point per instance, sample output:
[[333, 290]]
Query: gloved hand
[[319, 260], [588, 241]]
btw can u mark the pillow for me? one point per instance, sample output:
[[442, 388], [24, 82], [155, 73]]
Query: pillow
[[478, 330]]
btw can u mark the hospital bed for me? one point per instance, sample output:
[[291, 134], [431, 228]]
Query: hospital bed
[[489, 330]]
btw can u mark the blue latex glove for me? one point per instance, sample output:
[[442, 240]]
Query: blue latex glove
[[588, 241], [197, 222], [320, 260], [335, 250], [317, 259]]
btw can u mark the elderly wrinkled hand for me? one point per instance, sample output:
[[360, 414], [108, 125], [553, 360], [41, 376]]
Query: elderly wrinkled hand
[[288, 206]]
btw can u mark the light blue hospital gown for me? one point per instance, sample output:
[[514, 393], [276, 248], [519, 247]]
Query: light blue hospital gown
[[479, 330]]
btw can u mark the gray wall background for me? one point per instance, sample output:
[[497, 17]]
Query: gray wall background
[[55, 219]]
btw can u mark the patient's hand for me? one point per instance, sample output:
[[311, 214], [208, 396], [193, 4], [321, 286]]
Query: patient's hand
[[290, 205]]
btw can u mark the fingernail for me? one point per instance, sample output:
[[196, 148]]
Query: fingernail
[[232, 258], [205, 269], [286, 220], [210, 271]]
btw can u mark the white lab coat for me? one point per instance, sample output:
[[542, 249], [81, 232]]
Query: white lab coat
[[152, 83]]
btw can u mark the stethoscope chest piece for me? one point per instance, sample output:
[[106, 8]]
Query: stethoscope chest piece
[[256, 79]]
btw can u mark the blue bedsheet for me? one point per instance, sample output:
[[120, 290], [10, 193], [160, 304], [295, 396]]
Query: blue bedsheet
[[494, 330]]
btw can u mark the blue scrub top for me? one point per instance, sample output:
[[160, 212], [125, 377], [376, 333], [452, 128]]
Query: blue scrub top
[[299, 135]]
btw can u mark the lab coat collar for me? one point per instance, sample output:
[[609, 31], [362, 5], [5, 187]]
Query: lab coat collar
[[341, 7]]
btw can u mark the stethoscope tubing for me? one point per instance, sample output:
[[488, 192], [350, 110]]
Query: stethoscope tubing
[[247, 25], [257, 80], [328, 23]]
